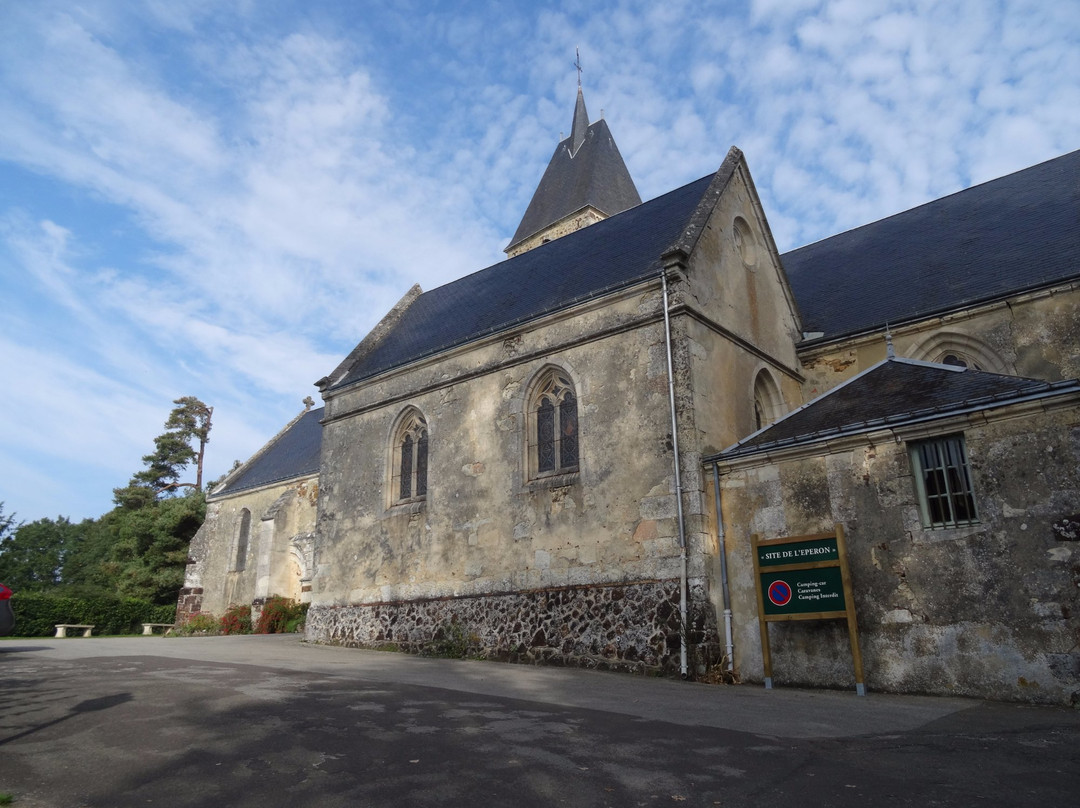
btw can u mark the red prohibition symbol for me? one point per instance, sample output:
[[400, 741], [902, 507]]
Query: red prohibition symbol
[[779, 593]]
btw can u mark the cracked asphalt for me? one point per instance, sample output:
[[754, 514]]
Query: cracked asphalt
[[271, 721]]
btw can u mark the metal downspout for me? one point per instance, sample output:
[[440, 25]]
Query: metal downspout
[[683, 668], [729, 648]]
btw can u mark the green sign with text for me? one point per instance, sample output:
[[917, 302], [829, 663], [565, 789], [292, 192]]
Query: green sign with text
[[803, 591], [798, 552], [805, 578]]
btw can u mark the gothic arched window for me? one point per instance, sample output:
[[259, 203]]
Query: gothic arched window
[[959, 350], [959, 360], [553, 425], [242, 541], [767, 401], [410, 458]]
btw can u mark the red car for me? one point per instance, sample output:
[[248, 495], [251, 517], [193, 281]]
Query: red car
[[7, 617]]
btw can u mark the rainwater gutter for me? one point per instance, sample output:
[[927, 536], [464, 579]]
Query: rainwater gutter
[[729, 648], [683, 668]]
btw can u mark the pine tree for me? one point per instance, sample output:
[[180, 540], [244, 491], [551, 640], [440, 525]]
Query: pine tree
[[188, 423]]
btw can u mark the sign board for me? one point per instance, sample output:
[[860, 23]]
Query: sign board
[[804, 578], [809, 591]]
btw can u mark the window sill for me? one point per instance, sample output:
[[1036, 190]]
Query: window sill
[[937, 533], [553, 481], [410, 507]]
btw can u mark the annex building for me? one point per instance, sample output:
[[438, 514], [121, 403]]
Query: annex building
[[529, 462]]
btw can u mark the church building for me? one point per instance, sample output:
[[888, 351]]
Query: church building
[[529, 462]]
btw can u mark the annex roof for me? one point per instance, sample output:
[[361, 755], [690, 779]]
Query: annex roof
[[894, 392], [1020, 232], [612, 254], [292, 453], [586, 170]]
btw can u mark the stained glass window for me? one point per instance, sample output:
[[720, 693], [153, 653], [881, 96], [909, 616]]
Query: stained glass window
[[545, 436], [421, 465], [554, 425], [411, 458], [568, 440], [406, 467]]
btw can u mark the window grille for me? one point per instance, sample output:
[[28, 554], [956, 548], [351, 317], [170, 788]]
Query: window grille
[[943, 480]]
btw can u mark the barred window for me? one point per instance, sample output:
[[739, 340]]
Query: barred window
[[943, 482], [553, 431], [410, 458]]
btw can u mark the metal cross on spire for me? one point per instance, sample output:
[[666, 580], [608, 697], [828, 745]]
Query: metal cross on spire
[[577, 64]]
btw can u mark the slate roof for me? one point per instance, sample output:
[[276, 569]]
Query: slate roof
[[585, 170], [892, 393], [1016, 233], [292, 453], [603, 257]]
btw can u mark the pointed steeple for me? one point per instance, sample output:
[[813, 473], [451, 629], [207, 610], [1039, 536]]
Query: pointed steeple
[[585, 182], [580, 125]]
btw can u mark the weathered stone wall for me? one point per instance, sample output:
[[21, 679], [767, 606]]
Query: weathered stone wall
[[282, 523], [1035, 335], [570, 224], [990, 610], [485, 525], [633, 626]]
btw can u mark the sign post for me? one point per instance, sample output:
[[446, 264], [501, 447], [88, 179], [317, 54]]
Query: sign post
[[805, 578]]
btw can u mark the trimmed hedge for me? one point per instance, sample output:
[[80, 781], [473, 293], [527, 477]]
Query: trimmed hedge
[[36, 613]]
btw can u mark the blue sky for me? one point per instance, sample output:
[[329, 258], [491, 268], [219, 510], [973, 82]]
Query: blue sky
[[219, 199]]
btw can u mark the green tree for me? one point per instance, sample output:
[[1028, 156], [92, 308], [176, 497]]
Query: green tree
[[7, 523], [188, 425], [32, 557], [142, 552], [139, 548]]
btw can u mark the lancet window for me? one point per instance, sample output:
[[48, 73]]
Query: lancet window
[[411, 458], [553, 428]]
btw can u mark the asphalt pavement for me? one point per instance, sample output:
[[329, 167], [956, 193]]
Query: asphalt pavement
[[271, 721]]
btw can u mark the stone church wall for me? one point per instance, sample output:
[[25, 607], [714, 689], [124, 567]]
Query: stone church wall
[[282, 522], [1035, 335], [990, 610], [486, 528]]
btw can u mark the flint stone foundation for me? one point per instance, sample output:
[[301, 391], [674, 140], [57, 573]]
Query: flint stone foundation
[[632, 627]]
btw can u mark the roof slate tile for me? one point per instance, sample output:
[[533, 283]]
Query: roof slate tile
[[1012, 234]]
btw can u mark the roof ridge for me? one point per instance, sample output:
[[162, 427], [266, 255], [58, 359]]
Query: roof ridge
[[935, 200], [695, 223], [1022, 388], [584, 265], [223, 488], [374, 337]]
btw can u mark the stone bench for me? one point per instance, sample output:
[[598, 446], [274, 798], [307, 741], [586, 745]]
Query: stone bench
[[148, 628], [61, 629]]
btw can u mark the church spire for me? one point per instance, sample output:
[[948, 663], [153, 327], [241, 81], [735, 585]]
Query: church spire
[[586, 181], [581, 117], [581, 123]]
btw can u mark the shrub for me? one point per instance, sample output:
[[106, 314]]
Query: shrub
[[37, 613], [199, 623], [236, 620], [451, 641], [281, 616]]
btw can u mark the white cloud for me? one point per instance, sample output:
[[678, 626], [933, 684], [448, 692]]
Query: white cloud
[[264, 186]]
